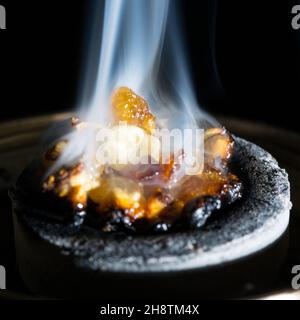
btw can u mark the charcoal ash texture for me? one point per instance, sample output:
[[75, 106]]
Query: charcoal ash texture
[[257, 220]]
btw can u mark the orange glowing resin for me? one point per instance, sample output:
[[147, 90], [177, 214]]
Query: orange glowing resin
[[128, 106], [150, 193]]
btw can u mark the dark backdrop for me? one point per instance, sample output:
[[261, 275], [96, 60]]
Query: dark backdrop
[[251, 46]]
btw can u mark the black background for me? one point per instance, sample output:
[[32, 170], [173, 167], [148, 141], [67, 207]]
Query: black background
[[250, 43]]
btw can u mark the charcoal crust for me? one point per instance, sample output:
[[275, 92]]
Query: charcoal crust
[[259, 219]]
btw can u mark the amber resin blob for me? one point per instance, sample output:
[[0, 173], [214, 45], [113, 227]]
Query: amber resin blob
[[143, 197]]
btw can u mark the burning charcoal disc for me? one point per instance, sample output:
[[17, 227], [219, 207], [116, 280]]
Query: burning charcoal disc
[[236, 252]]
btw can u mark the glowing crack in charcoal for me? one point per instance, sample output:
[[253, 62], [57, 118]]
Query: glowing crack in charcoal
[[139, 64]]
